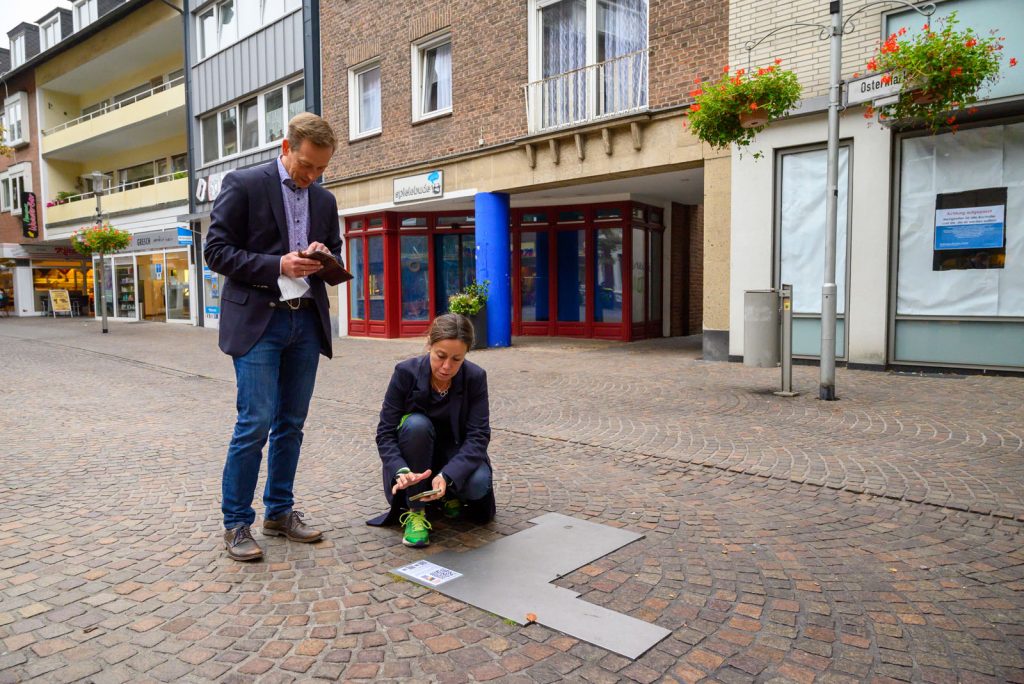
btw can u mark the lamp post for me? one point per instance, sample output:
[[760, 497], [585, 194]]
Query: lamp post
[[98, 184], [834, 32]]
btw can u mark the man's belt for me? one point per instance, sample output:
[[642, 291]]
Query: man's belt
[[293, 304]]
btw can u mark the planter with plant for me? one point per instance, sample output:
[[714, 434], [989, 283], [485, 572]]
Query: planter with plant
[[942, 70], [100, 240], [472, 303], [733, 109]]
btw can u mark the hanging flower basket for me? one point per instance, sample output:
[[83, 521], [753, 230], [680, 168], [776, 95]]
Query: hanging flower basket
[[942, 70], [739, 105], [103, 239]]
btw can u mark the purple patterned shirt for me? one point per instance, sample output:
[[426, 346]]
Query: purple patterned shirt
[[296, 213]]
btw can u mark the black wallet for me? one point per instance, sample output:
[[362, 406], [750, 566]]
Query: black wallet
[[332, 273]]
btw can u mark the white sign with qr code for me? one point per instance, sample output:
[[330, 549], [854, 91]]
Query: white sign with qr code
[[428, 573]]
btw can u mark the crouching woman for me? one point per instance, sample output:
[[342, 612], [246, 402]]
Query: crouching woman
[[433, 434]]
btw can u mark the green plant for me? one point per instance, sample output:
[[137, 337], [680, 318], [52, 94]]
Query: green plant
[[469, 301], [103, 239], [178, 175], [940, 71], [715, 115]]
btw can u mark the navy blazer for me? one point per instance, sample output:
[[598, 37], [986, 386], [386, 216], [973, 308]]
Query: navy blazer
[[408, 392], [248, 236]]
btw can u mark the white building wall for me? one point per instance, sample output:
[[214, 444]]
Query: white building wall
[[753, 212]]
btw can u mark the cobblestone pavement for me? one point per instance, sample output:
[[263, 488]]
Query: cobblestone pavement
[[878, 538]]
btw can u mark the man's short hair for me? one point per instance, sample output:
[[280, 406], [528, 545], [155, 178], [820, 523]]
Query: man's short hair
[[306, 126]]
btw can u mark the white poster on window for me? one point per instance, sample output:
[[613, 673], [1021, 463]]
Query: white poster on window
[[802, 229], [931, 166]]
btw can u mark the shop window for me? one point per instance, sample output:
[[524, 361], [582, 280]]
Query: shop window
[[534, 276], [355, 224], [375, 267], [534, 218], [454, 266], [960, 256], [606, 214], [638, 275], [364, 100], [432, 77], [414, 222], [356, 293], [572, 276], [415, 278], [178, 288], [801, 241], [376, 222], [608, 275], [455, 221], [571, 216]]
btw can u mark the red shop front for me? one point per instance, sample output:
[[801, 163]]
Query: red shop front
[[578, 271]]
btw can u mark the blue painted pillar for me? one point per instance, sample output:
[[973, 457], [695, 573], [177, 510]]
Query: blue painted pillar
[[494, 264]]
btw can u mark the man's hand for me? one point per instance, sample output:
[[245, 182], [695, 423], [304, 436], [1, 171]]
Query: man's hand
[[406, 480], [295, 266], [317, 247]]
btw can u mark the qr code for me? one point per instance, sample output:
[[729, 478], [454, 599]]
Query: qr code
[[442, 574]]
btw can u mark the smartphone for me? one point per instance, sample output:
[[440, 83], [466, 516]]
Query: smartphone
[[417, 497]]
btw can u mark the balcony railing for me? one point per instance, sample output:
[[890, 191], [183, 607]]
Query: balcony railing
[[617, 86], [120, 188], [167, 85]]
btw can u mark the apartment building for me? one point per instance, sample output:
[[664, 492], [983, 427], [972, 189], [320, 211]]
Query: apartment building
[[28, 267], [246, 64], [901, 300], [536, 144], [111, 113]]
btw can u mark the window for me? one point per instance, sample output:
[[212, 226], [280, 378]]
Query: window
[[5, 192], [207, 33], [84, 12], [364, 100], [179, 162], [432, 77], [588, 58], [16, 127], [248, 117], [137, 93], [49, 33], [18, 51], [18, 180], [296, 99], [137, 174], [228, 22], [257, 122]]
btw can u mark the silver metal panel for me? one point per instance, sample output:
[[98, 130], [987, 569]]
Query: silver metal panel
[[511, 578], [265, 57]]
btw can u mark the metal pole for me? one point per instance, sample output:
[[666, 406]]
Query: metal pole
[[827, 386], [97, 187], [786, 301]]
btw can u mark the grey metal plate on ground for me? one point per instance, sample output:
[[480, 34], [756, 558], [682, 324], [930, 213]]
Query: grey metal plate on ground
[[512, 577]]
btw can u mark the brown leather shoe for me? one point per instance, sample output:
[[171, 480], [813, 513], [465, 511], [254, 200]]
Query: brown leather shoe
[[240, 544], [290, 525]]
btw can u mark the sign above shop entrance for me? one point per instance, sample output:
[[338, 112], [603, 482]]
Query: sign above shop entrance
[[428, 185], [160, 239]]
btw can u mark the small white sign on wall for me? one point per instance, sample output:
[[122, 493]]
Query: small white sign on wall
[[419, 187]]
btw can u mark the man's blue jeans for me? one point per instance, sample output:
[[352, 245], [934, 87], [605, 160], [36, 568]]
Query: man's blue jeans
[[275, 383]]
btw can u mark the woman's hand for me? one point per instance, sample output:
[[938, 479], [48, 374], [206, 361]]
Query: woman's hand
[[440, 484], [407, 479]]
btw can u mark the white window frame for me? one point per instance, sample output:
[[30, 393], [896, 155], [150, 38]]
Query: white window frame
[[240, 7], [261, 123], [91, 9], [16, 103], [418, 58], [18, 51], [46, 42], [5, 192], [355, 97], [19, 179]]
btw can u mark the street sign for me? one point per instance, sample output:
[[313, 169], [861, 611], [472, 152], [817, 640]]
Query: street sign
[[872, 87]]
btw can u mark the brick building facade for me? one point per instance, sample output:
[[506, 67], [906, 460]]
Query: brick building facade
[[616, 140]]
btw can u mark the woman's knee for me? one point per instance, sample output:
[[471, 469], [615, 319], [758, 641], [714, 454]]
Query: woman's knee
[[477, 484], [416, 437]]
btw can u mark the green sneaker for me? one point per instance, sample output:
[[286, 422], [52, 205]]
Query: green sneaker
[[452, 508], [416, 527]]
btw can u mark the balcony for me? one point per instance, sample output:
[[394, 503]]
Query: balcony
[[171, 188], [589, 94], [155, 114]]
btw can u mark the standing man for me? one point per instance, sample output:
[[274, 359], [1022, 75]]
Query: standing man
[[263, 218]]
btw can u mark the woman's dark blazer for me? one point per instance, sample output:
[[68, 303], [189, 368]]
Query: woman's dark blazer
[[409, 392]]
